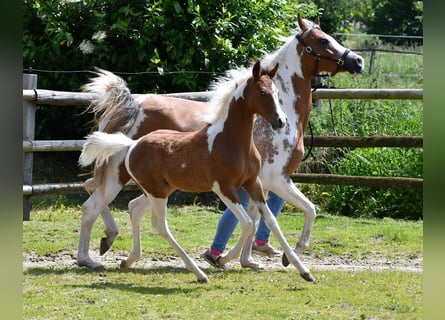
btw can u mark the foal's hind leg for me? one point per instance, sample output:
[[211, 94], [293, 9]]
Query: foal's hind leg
[[159, 221], [137, 207]]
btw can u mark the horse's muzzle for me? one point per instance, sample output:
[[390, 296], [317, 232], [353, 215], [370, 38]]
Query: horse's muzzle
[[354, 63]]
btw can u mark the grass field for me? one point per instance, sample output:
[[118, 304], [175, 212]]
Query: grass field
[[171, 292]]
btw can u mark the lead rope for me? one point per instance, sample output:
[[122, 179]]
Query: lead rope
[[309, 152]]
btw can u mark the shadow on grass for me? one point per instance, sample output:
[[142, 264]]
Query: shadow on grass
[[100, 280]]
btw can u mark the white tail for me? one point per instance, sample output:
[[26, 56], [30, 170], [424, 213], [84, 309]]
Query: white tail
[[99, 146]]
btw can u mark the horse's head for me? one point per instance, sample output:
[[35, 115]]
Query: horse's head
[[328, 54], [263, 96]]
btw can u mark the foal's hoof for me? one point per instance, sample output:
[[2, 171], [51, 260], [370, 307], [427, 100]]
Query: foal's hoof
[[307, 276], [284, 260], [123, 264], [104, 246]]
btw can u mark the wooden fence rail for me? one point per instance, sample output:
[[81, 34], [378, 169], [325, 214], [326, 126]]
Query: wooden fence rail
[[33, 97], [64, 98]]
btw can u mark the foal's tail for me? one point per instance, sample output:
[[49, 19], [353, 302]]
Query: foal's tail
[[100, 146], [114, 107]]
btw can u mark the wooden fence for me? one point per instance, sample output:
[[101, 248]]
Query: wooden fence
[[33, 97]]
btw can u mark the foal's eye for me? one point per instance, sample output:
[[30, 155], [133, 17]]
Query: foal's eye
[[262, 92]]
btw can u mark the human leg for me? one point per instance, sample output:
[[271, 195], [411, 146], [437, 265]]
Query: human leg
[[227, 224], [261, 244], [275, 204]]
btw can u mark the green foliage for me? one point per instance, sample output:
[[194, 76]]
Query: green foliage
[[378, 202], [164, 37], [396, 17], [371, 118], [173, 46]]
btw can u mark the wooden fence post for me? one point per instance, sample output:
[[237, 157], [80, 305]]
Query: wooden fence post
[[372, 61], [29, 115]]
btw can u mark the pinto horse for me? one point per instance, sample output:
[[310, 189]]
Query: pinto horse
[[308, 52], [221, 157]]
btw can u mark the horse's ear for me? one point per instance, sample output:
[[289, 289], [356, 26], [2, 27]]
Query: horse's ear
[[273, 71], [317, 20], [302, 23], [256, 71]]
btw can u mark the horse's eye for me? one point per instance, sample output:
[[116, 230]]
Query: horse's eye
[[262, 92], [324, 42]]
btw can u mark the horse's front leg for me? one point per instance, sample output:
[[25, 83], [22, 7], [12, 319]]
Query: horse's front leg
[[159, 221], [136, 207], [293, 195]]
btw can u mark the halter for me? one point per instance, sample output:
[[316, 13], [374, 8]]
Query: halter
[[340, 61]]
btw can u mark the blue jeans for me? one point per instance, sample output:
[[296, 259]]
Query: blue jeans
[[227, 223]]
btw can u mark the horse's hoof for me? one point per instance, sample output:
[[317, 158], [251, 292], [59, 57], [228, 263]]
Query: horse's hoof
[[284, 260], [104, 247], [255, 266], [123, 264], [99, 268], [307, 276]]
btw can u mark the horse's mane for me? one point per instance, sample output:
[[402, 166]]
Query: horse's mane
[[271, 59], [223, 88]]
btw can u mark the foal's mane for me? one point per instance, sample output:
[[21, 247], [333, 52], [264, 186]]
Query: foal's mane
[[223, 89]]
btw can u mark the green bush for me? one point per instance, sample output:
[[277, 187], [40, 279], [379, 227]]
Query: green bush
[[370, 118], [378, 202], [172, 46]]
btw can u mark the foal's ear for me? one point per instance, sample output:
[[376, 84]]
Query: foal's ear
[[256, 71], [273, 71]]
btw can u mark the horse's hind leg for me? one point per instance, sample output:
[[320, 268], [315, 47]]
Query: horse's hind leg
[[111, 229], [91, 208], [159, 221], [137, 207]]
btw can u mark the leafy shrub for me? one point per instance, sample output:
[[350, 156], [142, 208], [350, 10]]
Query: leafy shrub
[[378, 202], [172, 46]]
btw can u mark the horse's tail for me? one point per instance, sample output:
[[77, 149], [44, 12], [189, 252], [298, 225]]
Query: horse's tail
[[100, 146], [114, 107]]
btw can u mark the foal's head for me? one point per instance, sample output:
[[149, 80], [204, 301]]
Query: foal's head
[[262, 95], [329, 55]]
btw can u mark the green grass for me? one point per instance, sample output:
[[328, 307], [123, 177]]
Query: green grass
[[173, 293]]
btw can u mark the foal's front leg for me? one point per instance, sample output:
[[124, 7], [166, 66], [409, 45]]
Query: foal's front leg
[[246, 259], [244, 220], [272, 224]]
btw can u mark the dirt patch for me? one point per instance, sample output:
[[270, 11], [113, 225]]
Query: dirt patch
[[373, 262]]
